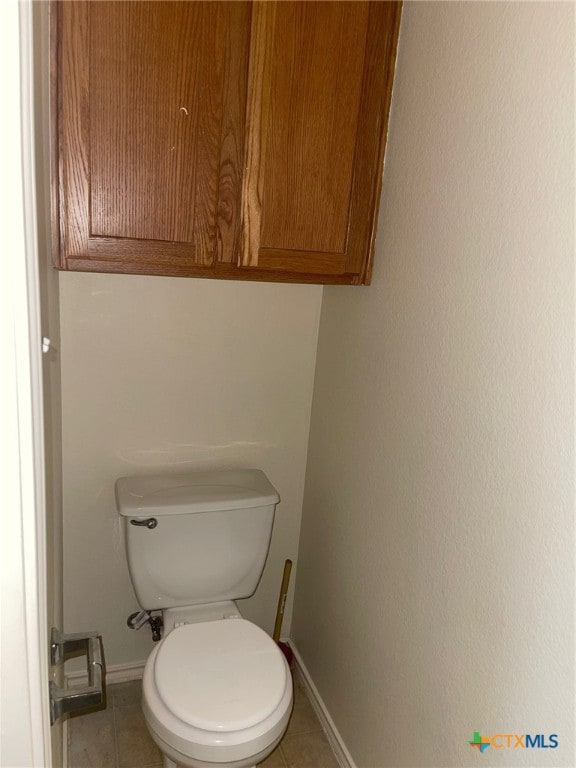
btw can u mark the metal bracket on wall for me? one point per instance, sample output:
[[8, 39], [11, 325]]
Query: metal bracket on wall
[[63, 700]]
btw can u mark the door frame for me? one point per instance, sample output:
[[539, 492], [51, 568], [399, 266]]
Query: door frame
[[25, 724]]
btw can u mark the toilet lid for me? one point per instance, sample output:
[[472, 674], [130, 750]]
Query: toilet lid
[[222, 675]]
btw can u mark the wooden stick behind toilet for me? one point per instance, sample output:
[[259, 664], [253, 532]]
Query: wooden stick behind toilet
[[287, 651]]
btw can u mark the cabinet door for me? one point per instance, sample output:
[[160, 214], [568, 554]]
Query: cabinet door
[[151, 113], [318, 98]]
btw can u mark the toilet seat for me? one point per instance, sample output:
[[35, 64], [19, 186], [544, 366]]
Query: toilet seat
[[217, 691], [221, 675]]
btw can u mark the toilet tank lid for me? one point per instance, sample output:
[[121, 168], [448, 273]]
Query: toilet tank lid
[[211, 491]]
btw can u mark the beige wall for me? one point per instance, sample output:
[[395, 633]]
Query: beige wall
[[434, 592], [175, 374]]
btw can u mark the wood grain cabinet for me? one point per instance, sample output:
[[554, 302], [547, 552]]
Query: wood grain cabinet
[[235, 140]]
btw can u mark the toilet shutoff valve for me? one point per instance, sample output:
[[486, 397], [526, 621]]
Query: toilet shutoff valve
[[137, 620]]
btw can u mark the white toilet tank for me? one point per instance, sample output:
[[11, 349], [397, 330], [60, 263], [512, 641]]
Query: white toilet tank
[[199, 537]]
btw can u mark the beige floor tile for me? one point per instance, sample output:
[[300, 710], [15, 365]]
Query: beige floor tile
[[303, 718], [91, 740], [124, 694], [135, 746], [274, 760], [118, 737], [308, 750]]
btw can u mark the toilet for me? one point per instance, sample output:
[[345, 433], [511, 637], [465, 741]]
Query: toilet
[[216, 690]]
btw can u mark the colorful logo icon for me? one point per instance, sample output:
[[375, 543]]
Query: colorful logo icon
[[514, 741], [481, 743]]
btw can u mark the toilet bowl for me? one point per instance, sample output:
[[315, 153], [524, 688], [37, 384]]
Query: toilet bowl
[[217, 693]]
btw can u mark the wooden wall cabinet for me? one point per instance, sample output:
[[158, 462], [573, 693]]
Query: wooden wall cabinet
[[235, 140]]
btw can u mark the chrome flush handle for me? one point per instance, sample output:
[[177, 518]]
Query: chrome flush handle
[[150, 522]]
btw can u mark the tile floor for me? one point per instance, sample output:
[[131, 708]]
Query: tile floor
[[116, 737]]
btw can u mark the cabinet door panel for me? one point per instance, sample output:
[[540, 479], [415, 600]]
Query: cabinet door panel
[[153, 122], [315, 89], [152, 129], [318, 97]]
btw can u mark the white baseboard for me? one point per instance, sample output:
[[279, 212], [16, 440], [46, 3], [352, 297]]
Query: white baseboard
[[336, 742], [119, 673]]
